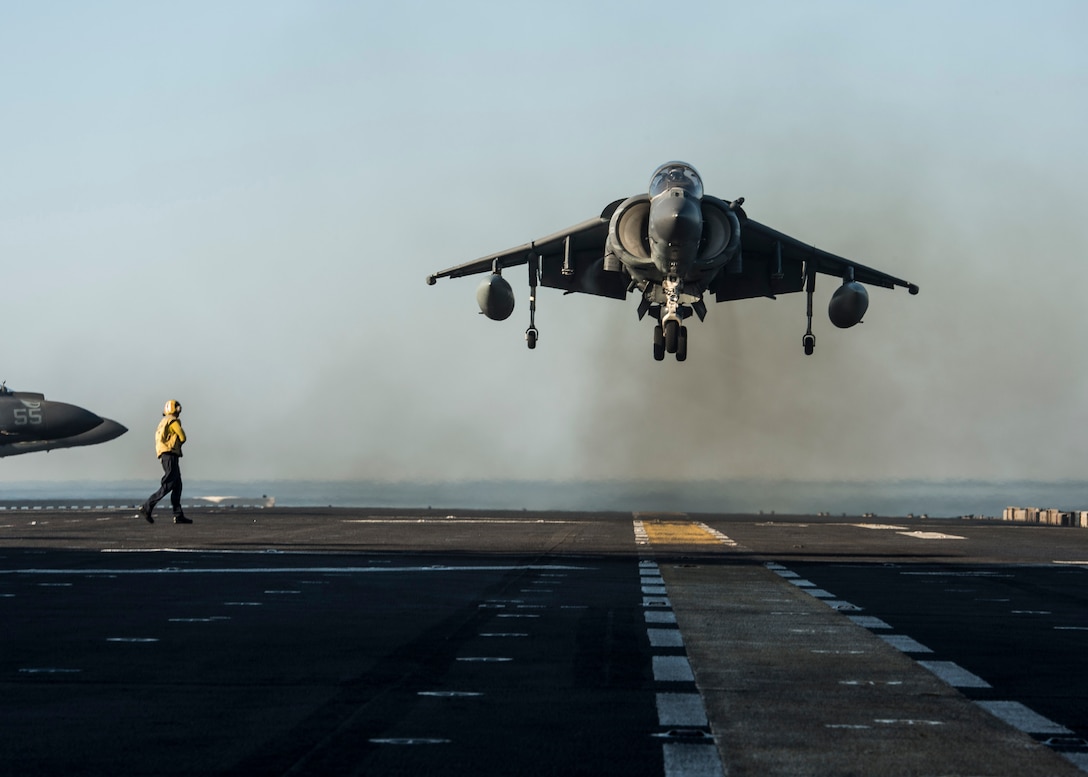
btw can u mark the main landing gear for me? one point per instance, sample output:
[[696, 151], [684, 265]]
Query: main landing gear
[[672, 337], [532, 334], [808, 342]]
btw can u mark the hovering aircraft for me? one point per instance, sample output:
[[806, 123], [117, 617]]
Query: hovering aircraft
[[30, 423], [674, 245]]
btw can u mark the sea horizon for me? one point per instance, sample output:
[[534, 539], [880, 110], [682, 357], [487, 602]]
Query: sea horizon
[[935, 498]]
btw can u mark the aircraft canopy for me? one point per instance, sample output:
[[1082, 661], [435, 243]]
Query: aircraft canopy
[[672, 175]]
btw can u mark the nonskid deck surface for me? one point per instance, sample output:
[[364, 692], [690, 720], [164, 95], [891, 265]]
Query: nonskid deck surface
[[317, 641]]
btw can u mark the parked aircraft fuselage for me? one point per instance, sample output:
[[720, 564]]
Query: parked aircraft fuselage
[[29, 422]]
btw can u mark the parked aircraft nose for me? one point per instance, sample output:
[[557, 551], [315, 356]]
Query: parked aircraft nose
[[103, 432], [64, 420], [109, 430], [676, 220]]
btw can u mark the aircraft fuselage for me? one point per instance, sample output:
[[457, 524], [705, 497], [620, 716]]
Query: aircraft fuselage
[[675, 229], [29, 422]]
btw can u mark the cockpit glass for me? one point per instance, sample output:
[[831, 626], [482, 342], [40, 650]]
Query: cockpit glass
[[676, 175]]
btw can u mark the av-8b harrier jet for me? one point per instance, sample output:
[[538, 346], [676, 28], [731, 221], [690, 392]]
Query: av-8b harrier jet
[[674, 246], [29, 423]]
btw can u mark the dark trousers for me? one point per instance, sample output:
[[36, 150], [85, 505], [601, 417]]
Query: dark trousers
[[171, 484]]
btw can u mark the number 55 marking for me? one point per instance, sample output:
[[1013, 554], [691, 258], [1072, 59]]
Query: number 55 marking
[[25, 416]]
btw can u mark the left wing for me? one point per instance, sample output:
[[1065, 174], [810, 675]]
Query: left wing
[[775, 263], [571, 259]]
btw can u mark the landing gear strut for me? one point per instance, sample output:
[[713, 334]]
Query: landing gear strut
[[809, 340], [672, 334], [532, 334]]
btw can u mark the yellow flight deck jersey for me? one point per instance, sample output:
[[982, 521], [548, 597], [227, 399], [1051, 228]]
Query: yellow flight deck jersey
[[169, 436]]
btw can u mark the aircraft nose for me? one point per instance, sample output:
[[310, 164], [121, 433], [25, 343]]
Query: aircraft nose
[[676, 220], [64, 420], [105, 431]]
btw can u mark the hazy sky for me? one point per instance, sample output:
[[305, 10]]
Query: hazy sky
[[235, 204]]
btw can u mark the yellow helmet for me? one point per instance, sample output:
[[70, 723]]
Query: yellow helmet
[[173, 407]]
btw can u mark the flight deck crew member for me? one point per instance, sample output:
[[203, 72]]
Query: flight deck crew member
[[169, 438]]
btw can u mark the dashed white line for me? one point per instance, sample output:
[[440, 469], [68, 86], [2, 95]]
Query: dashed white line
[[665, 638], [869, 621], [673, 669], [1018, 716], [699, 760], [954, 674], [697, 756], [659, 616], [681, 709], [904, 644], [283, 570], [1079, 760]]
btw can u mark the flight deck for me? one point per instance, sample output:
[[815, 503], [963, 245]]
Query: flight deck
[[356, 641]]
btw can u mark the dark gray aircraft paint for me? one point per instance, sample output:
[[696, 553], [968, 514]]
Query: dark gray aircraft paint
[[674, 245], [30, 423]]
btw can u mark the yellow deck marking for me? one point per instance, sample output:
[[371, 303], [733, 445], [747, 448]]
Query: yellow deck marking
[[680, 533]]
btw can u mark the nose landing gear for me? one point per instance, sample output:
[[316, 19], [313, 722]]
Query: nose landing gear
[[672, 337], [670, 334]]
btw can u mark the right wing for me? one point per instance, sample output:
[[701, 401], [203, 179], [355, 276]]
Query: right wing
[[774, 263], [570, 260]]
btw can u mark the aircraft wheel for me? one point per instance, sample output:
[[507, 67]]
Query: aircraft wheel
[[682, 345], [530, 338], [810, 344], [672, 335], [659, 344]]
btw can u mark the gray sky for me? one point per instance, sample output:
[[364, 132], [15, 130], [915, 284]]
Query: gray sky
[[236, 204]]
